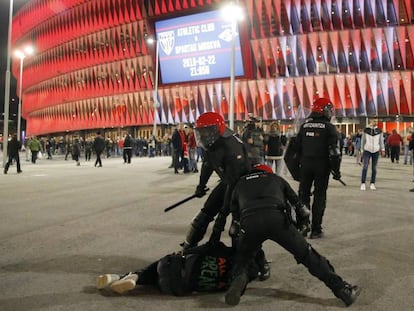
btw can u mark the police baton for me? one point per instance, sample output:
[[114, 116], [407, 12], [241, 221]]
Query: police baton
[[169, 208], [340, 180]]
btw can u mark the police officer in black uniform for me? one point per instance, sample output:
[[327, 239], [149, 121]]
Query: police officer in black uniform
[[225, 154], [317, 146], [259, 201]]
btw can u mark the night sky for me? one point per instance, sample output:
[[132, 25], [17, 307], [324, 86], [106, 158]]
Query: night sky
[[4, 23]]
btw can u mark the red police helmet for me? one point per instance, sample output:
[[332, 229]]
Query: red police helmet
[[210, 126], [264, 168], [323, 106]]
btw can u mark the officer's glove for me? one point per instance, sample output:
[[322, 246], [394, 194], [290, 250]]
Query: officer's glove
[[302, 211], [336, 175], [302, 218], [200, 191]]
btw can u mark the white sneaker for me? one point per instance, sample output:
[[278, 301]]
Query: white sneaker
[[363, 188], [372, 187], [105, 280], [125, 284]]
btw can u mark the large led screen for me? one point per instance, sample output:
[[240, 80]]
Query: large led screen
[[197, 47]]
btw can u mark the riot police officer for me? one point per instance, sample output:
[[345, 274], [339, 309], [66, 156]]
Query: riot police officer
[[317, 147], [225, 154], [259, 201]]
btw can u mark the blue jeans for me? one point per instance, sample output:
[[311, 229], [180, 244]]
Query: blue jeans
[[366, 156]]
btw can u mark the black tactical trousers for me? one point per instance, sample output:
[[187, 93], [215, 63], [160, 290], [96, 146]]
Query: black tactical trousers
[[272, 224], [314, 172]]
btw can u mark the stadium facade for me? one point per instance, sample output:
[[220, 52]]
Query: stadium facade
[[94, 68]]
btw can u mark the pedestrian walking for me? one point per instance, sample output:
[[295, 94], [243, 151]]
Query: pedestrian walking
[[99, 147], [35, 147], [76, 151], [14, 147], [395, 141]]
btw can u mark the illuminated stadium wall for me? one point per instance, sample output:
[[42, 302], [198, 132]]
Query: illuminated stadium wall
[[93, 67]]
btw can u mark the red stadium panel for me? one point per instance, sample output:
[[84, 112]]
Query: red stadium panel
[[93, 68]]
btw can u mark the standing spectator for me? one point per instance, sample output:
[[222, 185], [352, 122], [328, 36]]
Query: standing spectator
[[177, 148], [152, 144], [254, 141], [407, 151], [99, 147], [395, 141], [35, 147], [14, 147], [68, 150], [184, 144], [274, 144], [76, 151], [88, 149], [144, 147], [199, 152], [357, 146], [192, 145], [61, 145], [372, 143], [319, 154], [342, 140], [109, 145], [119, 147], [27, 149], [350, 146], [49, 148], [139, 148], [127, 151]]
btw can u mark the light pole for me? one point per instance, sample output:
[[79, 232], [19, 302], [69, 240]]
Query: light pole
[[28, 50], [7, 89], [151, 40], [233, 12]]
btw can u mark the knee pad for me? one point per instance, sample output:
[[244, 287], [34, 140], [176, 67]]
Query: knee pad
[[198, 228]]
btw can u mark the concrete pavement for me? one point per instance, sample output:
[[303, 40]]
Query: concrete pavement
[[61, 225]]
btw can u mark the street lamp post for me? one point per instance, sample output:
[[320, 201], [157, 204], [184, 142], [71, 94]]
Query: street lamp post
[[156, 103], [152, 40], [7, 89], [28, 50], [19, 107], [233, 12], [232, 72]]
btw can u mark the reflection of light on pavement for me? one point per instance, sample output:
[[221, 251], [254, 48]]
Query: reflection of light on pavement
[[39, 175]]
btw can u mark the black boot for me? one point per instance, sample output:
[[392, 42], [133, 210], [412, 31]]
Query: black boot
[[264, 272], [348, 294], [236, 290], [263, 265]]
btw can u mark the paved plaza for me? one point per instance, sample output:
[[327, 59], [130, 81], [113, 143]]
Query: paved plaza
[[61, 225]]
